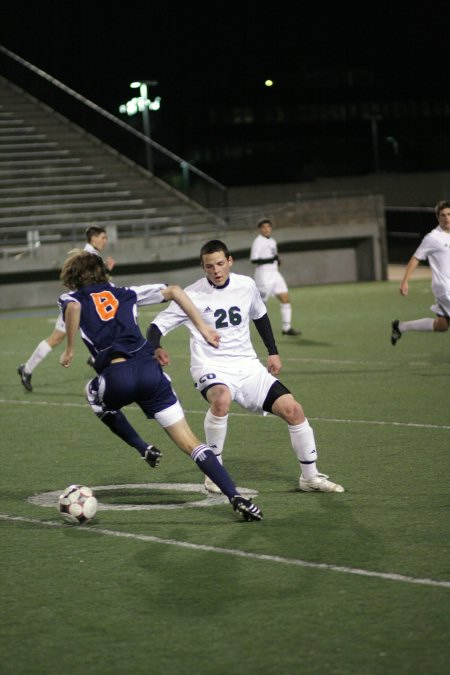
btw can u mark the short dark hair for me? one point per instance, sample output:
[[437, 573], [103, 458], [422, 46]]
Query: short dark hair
[[93, 231], [263, 221], [440, 206], [214, 246]]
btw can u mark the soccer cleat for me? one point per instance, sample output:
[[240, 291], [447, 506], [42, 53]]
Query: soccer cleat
[[319, 484], [396, 334], [292, 331], [210, 486], [25, 378], [246, 508], [152, 456]]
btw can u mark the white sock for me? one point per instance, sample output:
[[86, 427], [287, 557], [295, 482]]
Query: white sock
[[286, 315], [418, 324], [39, 354], [304, 446], [215, 433]]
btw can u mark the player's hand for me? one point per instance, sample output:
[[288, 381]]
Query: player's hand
[[162, 356], [274, 364], [404, 288], [110, 262], [66, 358], [211, 336]]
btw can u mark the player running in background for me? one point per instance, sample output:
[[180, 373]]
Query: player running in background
[[106, 316], [435, 247], [96, 241], [264, 254], [228, 302]]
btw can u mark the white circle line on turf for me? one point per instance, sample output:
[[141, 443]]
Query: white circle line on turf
[[415, 425], [388, 576], [50, 499]]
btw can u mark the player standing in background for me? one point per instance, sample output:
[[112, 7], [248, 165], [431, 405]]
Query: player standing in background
[[435, 247], [228, 302], [127, 370], [96, 241], [264, 254]]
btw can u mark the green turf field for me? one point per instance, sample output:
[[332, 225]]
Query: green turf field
[[355, 583]]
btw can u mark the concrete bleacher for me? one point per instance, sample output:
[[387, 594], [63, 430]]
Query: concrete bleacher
[[54, 173], [56, 179]]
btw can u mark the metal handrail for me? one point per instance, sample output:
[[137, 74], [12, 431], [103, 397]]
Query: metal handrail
[[184, 165]]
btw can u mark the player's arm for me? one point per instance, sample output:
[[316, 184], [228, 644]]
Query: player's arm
[[72, 320], [264, 328], [410, 267], [177, 294]]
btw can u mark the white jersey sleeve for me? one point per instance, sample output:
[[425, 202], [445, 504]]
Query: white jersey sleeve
[[149, 294]]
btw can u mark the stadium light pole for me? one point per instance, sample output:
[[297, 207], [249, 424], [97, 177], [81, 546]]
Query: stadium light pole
[[374, 119], [143, 104]]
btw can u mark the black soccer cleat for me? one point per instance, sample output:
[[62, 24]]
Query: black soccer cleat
[[246, 508], [396, 334], [25, 378], [292, 331], [152, 456]]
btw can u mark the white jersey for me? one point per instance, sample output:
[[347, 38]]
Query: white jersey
[[90, 249], [229, 309], [435, 247], [265, 248], [267, 277]]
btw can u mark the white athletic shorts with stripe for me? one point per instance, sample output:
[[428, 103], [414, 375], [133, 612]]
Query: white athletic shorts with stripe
[[248, 381], [269, 282]]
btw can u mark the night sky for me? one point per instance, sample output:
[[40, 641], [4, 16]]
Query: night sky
[[220, 50]]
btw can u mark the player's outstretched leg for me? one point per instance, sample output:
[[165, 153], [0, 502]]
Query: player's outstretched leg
[[207, 462], [116, 421]]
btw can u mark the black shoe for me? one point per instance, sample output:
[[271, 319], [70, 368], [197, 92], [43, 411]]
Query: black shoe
[[246, 508], [91, 362], [25, 378], [395, 335], [292, 331], [152, 456]]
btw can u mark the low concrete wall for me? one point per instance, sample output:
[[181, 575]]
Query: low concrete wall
[[321, 254]]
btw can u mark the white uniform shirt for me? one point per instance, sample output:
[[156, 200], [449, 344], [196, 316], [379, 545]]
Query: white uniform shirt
[[265, 248], [435, 247], [90, 249], [229, 309]]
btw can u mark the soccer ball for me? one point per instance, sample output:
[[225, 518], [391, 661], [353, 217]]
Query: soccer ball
[[77, 504]]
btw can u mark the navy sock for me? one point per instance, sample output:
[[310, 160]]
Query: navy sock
[[207, 462], [119, 425]]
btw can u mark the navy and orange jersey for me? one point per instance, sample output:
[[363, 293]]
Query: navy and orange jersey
[[108, 320]]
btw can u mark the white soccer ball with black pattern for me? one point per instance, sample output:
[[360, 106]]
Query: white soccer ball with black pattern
[[77, 504]]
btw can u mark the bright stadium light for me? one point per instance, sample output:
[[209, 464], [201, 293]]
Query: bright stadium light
[[143, 104]]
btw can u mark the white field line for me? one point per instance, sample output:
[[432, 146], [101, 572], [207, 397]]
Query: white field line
[[235, 552], [413, 425]]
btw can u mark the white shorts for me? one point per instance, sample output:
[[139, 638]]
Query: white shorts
[[248, 381], [270, 284], [60, 325], [442, 306]]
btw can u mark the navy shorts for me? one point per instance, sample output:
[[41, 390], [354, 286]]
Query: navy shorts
[[139, 381]]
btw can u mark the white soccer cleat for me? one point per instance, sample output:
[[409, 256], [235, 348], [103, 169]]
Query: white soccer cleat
[[210, 486], [319, 483]]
